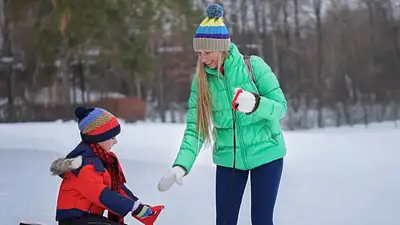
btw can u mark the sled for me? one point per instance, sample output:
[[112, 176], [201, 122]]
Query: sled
[[150, 220]]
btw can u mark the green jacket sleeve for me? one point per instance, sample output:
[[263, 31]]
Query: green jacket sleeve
[[191, 142], [273, 105]]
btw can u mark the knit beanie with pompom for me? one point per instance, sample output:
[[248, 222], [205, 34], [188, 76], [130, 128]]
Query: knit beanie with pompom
[[96, 124], [212, 34]]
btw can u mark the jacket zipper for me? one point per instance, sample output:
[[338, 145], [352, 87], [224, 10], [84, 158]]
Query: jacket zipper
[[243, 147]]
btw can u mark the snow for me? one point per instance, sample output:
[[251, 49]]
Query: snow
[[331, 176]]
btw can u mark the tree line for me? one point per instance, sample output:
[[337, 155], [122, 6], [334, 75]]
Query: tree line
[[337, 61]]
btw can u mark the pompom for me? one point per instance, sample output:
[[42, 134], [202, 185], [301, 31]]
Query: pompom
[[80, 112], [214, 11]]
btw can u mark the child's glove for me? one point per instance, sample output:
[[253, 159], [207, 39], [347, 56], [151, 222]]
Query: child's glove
[[245, 101], [142, 211], [174, 175]]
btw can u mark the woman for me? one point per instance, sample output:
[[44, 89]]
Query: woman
[[248, 139]]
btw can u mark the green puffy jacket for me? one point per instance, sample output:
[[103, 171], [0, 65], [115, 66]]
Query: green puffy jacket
[[259, 137]]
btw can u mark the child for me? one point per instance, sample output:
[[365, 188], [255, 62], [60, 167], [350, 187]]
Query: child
[[93, 180]]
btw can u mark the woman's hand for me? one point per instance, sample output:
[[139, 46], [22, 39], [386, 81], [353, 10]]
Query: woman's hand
[[245, 101], [174, 175]]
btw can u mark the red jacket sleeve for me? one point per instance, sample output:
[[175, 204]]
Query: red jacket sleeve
[[90, 184]]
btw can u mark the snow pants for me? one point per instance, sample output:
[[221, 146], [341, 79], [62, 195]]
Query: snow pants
[[88, 220], [230, 186]]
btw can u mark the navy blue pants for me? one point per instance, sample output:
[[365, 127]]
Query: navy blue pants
[[230, 186]]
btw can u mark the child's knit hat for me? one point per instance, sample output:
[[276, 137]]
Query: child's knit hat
[[212, 34], [96, 124]]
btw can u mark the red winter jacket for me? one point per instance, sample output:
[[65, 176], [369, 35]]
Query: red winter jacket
[[85, 187]]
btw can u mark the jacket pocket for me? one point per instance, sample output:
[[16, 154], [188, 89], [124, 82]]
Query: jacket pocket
[[273, 138]]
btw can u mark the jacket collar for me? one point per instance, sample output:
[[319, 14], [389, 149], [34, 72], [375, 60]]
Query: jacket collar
[[88, 155]]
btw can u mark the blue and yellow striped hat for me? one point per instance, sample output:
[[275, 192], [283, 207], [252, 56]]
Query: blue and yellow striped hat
[[212, 34]]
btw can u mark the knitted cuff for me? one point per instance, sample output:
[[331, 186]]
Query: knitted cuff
[[140, 210], [257, 99]]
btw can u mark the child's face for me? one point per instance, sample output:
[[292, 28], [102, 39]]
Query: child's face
[[107, 145]]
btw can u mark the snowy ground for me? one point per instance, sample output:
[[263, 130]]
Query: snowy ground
[[346, 176]]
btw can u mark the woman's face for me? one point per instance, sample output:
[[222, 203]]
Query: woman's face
[[210, 59]]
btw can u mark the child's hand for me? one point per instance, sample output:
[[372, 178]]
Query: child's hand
[[174, 175], [142, 211]]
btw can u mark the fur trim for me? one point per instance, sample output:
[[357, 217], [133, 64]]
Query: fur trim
[[63, 165]]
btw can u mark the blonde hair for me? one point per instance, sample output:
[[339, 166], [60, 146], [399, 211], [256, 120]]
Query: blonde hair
[[204, 102]]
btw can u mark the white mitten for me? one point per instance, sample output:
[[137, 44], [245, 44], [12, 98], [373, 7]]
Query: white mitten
[[173, 175], [245, 101]]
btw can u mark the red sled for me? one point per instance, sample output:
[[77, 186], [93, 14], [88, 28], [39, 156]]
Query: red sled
[[150, 220]]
